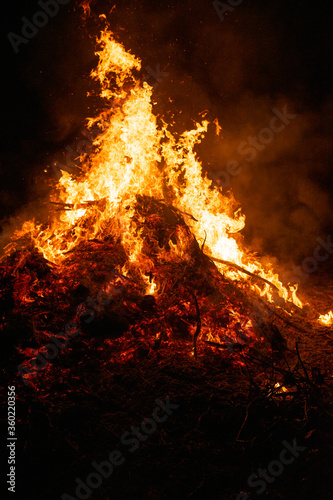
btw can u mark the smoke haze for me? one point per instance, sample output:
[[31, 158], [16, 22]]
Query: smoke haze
[[259, 58]]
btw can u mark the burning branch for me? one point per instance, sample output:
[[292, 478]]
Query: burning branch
[[198, 329], [84, 204], [242, 270]]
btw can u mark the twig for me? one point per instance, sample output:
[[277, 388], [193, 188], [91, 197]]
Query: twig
[[204, 241], [198, 329], [216, 344], [302, 365], [263, 362], [242, 270], [244, 421], [189, 215], [175, 210], [77, 206], [61, 204]]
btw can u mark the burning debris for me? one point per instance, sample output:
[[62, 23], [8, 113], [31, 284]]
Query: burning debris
[[136, 287], [142, 225]]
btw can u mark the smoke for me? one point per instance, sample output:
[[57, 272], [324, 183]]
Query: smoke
[[284, 183], [260, 58]]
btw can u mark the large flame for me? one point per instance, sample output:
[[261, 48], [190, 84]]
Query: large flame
[[137, 156]]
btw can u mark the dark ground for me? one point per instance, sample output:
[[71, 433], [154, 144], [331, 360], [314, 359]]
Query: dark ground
[[229, 420], [205, 450], [201, 451]]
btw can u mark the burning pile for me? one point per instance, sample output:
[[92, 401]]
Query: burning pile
[[142, 225]]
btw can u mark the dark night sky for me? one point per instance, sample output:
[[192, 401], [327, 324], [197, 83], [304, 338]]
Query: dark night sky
[[263, 55]]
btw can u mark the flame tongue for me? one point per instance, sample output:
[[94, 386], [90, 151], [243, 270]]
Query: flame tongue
[[326, 319], [126, 165]]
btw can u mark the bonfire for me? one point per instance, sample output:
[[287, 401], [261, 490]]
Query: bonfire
[[141, 249]]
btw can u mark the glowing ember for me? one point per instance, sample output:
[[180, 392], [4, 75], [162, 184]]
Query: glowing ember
[[136, 157], [280, 388], [85, 5], [326, 319]]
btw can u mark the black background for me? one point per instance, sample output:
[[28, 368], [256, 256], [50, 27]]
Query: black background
[[263, 55]]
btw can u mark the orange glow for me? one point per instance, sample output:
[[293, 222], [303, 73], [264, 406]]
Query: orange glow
[[85, 5], [134, 156], [326, 319]]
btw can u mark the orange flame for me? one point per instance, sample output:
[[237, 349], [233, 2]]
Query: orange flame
[[326, 319], [127, 163]]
